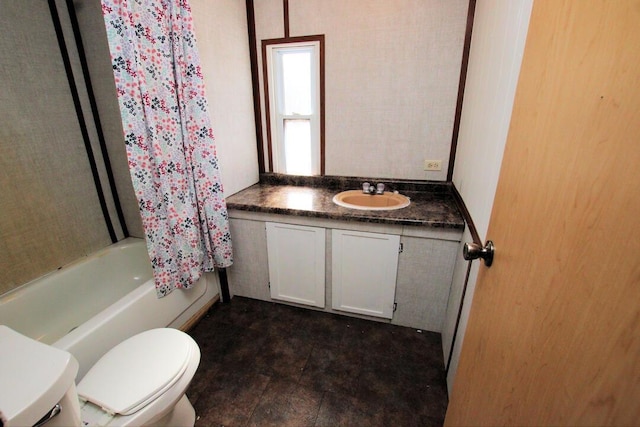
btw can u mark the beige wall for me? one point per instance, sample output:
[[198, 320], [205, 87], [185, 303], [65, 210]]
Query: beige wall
[[392, 71], [223, 44]]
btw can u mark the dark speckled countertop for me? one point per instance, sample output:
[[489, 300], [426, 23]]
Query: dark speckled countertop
[[432, 203]]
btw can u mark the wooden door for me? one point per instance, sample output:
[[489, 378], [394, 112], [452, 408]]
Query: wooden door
[[554, 330]]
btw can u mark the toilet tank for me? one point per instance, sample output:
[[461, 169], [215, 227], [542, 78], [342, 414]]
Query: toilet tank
[[34, 378]]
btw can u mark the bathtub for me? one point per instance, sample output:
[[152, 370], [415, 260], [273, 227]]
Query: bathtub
[[94, 303]]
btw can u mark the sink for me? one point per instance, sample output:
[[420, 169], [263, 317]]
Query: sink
[[356, 199]]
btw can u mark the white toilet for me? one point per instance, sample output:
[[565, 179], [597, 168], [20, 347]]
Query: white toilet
[[140, 382]]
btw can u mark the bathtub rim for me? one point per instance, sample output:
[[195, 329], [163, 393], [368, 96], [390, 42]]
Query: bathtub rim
[[181, 315], [32, 284]]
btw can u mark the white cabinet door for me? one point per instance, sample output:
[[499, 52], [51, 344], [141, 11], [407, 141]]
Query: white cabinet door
[[364, 267], [296, 263]]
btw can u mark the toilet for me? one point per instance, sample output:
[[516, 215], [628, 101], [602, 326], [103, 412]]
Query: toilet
[[140, 382]]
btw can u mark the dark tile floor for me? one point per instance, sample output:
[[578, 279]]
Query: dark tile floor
[[266, 364]]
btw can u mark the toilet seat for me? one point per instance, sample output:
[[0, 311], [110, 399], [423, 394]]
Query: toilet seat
[[138, 371]]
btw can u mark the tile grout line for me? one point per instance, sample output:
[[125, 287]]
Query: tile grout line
[[259, 399], [304, 369], [315, 419]]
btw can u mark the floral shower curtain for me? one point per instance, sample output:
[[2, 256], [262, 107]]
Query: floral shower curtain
[[169, 140]]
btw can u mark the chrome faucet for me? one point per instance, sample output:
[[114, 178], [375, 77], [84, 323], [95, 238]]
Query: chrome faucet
[[367, 188]]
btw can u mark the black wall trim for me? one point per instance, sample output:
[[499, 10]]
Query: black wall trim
[[461, 85], [466, 216], [81, 120], [224, 285], [96, 116], [476, 239], [285, 11], [255, 83], [455, 330]]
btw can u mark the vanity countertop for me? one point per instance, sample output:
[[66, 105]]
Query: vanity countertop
[[432, 203]]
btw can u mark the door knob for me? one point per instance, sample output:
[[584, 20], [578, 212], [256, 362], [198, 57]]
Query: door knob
[[473, 251]]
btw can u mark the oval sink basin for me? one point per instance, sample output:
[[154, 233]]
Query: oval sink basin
[[356, 199]]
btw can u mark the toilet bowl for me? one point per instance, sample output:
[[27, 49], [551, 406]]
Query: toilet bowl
[[140, 382]]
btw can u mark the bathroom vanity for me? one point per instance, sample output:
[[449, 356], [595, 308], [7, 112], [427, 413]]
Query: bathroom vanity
[[292, 244]]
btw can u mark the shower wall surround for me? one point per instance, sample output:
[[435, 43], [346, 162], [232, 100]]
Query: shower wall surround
[[50, 213], [96, 48]]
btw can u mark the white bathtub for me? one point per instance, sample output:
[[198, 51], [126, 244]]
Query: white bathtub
[[92, 304]]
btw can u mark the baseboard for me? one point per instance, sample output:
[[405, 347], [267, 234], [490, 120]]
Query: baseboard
[[193, 320]]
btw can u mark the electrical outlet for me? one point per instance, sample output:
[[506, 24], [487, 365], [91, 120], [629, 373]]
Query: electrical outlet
[[433, 165]]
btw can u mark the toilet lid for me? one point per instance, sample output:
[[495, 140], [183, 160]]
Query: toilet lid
[[137, 371]]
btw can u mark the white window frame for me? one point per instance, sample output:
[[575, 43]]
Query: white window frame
[[276, 102]]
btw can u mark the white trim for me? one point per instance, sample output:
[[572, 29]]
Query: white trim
[[276, 97]]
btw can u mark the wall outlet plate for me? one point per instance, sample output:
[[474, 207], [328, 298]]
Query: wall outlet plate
[[433, 165]]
